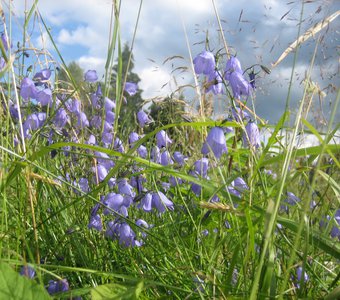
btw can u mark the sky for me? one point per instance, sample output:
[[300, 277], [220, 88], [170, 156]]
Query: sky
[[258, 32]]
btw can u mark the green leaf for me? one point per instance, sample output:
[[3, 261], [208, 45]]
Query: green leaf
[[115, 291], [17, 287]]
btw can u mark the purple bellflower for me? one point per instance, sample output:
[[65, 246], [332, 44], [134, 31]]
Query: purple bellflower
[[180, 158], [166, 158], [215, 83], [143, 118], [232, 65], [251, 136], [55, 287], [44, 97], [95, 222], [162, 139], [131, 88], [27, 271], [42, 75], [204, 63], [215, 142], [91, 76], [28, 89], [239, 85], [301, 277]]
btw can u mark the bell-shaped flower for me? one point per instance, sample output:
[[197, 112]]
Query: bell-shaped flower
[[237, 187], [110, 117], [155, 155], [180, 158], [125, 188], [251, 136], [101, 172], [232, 65], [201, 167], [161, 202], [166, 158], [143, 118], [91, 76], [113, 202], [131, 88], [118, 145], [162, 139], [33, 122], [44, 97], [146, 202], [133, 138], [142, 151], [59, 286], [301, 277], [239, 85], [5, 41], [109, 104], [95, 222], [215, 83], [240, 115], [204, 63], [28, 89], [27, 271], [42, 75], [60, 118], [215, 142], [82, 120]]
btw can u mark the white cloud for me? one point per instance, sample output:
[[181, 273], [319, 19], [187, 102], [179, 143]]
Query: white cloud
[[91, 63]]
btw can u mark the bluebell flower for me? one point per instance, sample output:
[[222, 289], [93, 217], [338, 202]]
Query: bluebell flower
[[252, 79], [162, 139], [161, 202], [82, 120], [109, 104], [215, 142], [291, 200], [215, 83], [237, 187], [142, 151], [233, 65], [166, 158], [251, 136], [301, 277], [104, 160], [204, 63], [240, 115], [131, 88], [28, 89], [55, 287], [201, 167], [61, 118], [143, 118], [95, 222], [42, 75], [91, 140], [101, 172], [118, 145], [27, 271], [5, 41], [91, 76], [133, 137], [146, 202], [44, 97], [239, 85], [115, 202], [33, 122], [125, 188], [110, 117], [179, 158], [155, 155]]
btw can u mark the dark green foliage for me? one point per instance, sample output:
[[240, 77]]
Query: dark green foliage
[[133, 103]]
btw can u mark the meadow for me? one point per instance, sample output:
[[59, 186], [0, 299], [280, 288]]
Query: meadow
[[103, 201]]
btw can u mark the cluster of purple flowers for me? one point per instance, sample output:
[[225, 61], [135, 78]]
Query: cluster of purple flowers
[[205, 63]]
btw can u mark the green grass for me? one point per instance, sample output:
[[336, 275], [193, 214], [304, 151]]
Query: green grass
[[189, 253]]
